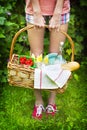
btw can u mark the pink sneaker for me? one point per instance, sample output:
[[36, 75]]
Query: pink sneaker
[[37, 112], [51, 109]]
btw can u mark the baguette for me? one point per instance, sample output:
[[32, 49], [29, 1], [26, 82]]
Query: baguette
[[71, 66]]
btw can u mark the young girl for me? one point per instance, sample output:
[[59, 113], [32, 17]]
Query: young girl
[[38, 12]]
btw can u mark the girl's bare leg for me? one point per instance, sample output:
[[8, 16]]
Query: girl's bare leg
[[36, 38], [55, 39], [52, 97]]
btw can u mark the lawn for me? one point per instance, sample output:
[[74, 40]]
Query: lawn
[[16, 106]]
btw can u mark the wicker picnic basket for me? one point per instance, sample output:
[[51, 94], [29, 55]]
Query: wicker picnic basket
[[19, 75]]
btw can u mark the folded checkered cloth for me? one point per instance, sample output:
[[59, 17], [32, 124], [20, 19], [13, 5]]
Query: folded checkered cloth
[[50, 77]]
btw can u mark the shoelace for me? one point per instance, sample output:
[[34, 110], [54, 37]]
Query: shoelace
[[40, 108], [50, 109]]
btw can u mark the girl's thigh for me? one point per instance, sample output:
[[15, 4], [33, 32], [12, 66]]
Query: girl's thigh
[[36, 38], [56, 37]]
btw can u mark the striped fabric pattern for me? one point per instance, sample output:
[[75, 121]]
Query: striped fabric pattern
[[64, 18]]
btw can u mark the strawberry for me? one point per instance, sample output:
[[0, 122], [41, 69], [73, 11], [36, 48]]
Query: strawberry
[[29, 62], [22, 60]]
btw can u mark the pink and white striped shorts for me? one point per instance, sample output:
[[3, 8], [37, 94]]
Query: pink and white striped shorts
[[64, 18]]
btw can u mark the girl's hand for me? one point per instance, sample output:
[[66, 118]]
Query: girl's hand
[[39, 20], [54, 22]]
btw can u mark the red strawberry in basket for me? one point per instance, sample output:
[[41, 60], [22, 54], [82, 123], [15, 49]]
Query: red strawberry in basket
[[29, 62], [22, 60]]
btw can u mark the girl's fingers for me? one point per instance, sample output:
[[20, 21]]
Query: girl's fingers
[[55, 28]]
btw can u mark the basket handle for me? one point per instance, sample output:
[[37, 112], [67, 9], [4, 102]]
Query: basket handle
[[31, 26]]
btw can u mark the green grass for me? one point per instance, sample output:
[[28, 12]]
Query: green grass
[[16, 106]]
